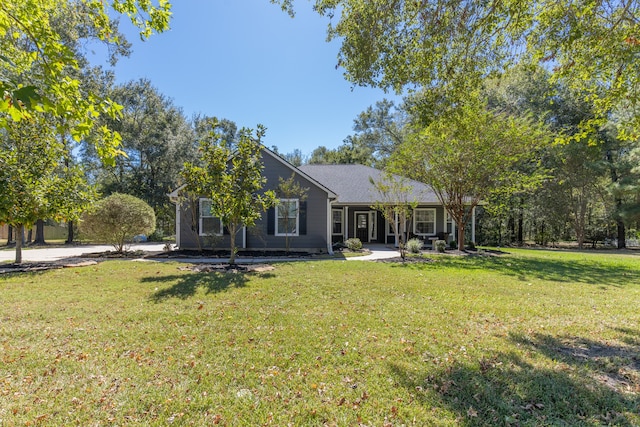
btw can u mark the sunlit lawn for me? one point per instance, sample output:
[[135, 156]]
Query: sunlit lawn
[[526, 338]]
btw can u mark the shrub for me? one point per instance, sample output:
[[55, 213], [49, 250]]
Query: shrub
[[353, 244], [471, 246], [440, 245], [453, 244], [414, 245], [117, 218]]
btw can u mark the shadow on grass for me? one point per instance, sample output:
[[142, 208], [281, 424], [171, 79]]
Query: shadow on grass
[[185, 286], [591, 272], [508, 390], [616, 366]]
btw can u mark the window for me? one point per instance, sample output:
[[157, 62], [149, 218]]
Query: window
[[209, 224], [424, 221], [336, 221], [287, 217]]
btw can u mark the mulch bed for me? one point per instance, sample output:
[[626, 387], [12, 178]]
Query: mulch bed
[[228, 268], [184, 253], [34, 267]]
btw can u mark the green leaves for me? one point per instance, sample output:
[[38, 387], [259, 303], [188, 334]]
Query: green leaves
[[230, 174], [39, 58]]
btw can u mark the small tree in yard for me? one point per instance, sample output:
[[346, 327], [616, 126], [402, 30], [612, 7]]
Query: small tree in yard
[[289, 189], [117, 219], [230, 174], [394, 204]]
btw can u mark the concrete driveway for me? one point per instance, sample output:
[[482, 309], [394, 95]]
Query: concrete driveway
[[63, 252]]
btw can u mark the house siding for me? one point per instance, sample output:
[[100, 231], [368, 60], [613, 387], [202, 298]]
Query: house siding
[[257, 237]]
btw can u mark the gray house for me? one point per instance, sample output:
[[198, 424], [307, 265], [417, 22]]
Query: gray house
[[337, 207]]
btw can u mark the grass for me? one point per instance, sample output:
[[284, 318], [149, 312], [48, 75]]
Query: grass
[[528, 338]]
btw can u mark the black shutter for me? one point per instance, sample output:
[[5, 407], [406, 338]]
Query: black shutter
[[195, 225], [225, 230], [303, 218], [271, 221]]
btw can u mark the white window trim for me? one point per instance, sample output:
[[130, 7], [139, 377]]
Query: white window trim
[[341, 222], [449, 220], [277, 232], [415, 216], [200, 217], [373, 225]]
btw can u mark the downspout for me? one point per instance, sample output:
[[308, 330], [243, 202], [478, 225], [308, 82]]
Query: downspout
[[329, 228]]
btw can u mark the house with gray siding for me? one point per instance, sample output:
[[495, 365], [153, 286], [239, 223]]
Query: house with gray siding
[[337, 207]]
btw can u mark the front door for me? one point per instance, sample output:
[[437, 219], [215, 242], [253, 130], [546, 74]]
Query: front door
[[362, 226]]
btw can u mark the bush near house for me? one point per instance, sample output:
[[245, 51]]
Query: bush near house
[[353, 244], [415, 245]]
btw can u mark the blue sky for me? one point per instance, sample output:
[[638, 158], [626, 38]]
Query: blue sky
[[247, 61]]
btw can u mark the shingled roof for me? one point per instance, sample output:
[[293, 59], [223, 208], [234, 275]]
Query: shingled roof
[[352, 185]]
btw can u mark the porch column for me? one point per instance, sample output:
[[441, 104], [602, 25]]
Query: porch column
[[346, 222], [473, 225], [244, 237], [178, 231]]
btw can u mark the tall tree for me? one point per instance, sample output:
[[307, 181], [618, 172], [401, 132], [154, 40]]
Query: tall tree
[[38, 65], [35, 180], [379, 130], [469, 156], [450, 47], [230, 175], [157, 140]]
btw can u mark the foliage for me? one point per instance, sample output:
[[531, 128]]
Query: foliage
[[36, 180], [290, 188], [440, 245], [353, 244], [457, 341], [448, 47], [230, 174], [40, 65], [392, 194], [156, 138], [117, 218], [479, 150], [415, 245], [346, 154]]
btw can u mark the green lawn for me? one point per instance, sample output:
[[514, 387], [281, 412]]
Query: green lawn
[[526, 338]]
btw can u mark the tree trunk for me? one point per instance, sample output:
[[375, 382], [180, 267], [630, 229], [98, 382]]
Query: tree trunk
[[10, 235], [19, 237], [70, 235], [622, 241], [29, 235], [460, 236], [511, 227], [39, 240], [232, 244], [520, 238]]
